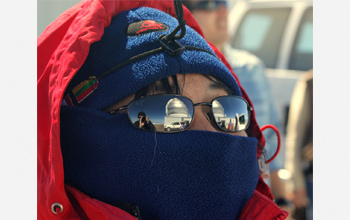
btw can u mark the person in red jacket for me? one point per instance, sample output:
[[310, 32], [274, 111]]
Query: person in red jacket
[[100, 63]]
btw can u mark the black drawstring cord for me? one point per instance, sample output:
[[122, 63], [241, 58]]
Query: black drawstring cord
[[143, 55], [180, 18], [130, 60], [169, 42]]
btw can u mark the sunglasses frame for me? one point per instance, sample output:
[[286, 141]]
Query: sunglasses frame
[[209, 104]]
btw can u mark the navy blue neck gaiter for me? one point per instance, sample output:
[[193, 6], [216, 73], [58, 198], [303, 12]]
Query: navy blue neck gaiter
[[186, 175]]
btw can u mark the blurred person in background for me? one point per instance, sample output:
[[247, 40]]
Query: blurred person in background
[[299, 147], [212, 18]]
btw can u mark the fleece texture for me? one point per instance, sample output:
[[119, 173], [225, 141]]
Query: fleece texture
[[186, 175], [116, 46]]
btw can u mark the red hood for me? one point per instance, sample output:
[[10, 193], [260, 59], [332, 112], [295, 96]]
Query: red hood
[[70, 36]]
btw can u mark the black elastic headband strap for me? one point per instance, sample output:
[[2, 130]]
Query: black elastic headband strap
[[130, 60], [143, 55]]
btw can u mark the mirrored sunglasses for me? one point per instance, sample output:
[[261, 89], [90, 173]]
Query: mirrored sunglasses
[[168, 113], [209, 5]]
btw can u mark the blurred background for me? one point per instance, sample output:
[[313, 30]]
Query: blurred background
[[49, 10], [280, 33]]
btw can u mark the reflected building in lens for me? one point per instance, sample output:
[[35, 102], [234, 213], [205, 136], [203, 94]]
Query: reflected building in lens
[[176, 115], [228, 123], [218, 111], [220, 116]]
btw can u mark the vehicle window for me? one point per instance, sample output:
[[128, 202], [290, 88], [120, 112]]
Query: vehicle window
[[260, 32], [302, 52]]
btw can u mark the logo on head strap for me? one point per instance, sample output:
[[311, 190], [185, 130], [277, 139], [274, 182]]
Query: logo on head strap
[[144, 27]]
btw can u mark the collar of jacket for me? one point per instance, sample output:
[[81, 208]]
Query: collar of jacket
[[259, 207]]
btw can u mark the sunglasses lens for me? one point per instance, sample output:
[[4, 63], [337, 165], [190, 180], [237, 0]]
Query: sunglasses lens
[[161, 113], [209, 5], [231, 113]]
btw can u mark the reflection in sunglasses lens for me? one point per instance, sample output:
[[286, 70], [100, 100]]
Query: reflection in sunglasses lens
[[172, 113], [177, 115], [164, 113], [230, 113]]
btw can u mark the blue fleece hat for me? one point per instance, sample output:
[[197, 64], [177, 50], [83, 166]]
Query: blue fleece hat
[[111, 73]]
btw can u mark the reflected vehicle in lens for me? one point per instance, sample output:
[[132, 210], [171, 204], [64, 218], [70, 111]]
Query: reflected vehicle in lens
[[177, 117], [174, 126]]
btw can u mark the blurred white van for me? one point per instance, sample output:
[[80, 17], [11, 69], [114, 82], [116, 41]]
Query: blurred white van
[[280, 32]]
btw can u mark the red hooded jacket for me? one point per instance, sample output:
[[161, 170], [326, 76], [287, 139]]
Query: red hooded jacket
[[61, 52]]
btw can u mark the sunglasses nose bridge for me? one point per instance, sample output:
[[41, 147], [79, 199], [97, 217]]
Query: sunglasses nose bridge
[[208, 114], [202, 119], [203, 104]]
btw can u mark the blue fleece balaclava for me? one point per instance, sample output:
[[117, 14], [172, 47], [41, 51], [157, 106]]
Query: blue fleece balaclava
[[186, 175]]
